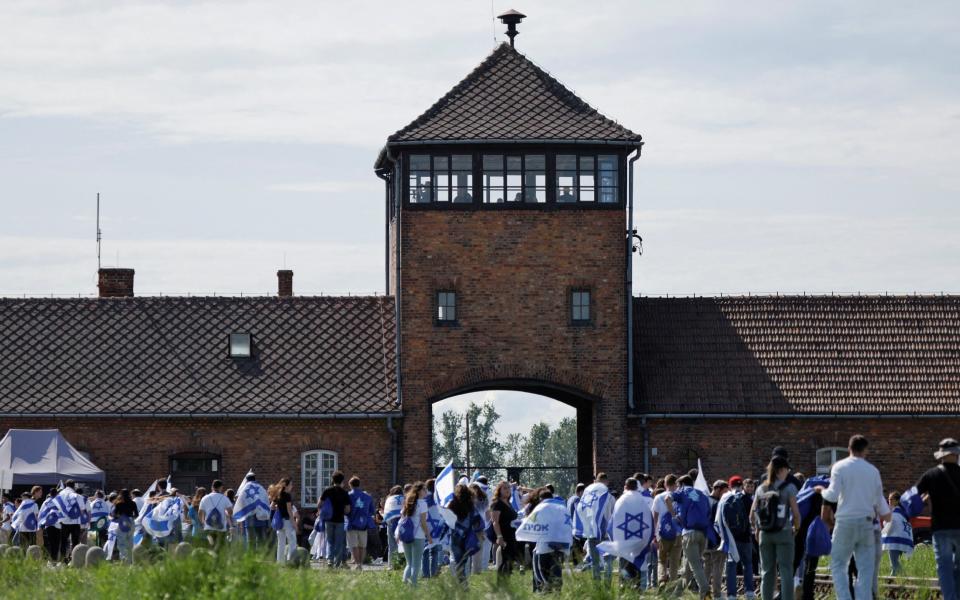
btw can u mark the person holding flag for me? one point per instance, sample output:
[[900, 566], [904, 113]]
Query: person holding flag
[[548, 526], [435, 519], [591, 520], [49, 519], [413, 531], [466, 531], [392, 506], [99, 511], [120, 531], [73, 512], [482, 558], [6, 529], [736, 537], [693, 512], [631, 534], [896, 537], [252, 509], [25, 520]]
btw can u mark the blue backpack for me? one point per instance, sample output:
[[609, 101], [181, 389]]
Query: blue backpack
[[694, 509], [359, 516], [326, 510], [276, 521], [406, 530], [818, 539], [668, 528]]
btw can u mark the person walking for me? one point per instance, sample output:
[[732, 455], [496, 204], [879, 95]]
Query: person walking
[[334, 505], [465, 537], [358, 522], [897, 535], [415, 510], [392, 505], [857, 490], [592, 515], [942, 485], [715, 555], [73, 511], [193, 512], [693, 510], [667, 529], [50, 522], [502, 515], [733, 514], [124, 512], [777, 517], [481, 559], [25, 520], [214, 511], [281, 501]]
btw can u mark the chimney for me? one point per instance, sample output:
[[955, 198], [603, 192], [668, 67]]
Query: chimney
[[115, 283], [285, 283]]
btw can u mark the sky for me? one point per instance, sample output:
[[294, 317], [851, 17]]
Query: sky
[[790, 147]]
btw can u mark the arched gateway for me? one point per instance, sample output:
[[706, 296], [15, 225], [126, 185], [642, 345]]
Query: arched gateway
[[509, 256]]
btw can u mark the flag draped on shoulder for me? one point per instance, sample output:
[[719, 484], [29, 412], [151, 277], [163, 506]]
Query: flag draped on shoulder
[[49, 513], [808, 491], [728, 543], [391, 507], [631, 529], [99, 513], [251, 501], [160, 521], [550, 523], [911, 502], [25, 518], [71, 505], [592, 516]]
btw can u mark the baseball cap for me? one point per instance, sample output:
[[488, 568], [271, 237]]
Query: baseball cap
[[735, 480]]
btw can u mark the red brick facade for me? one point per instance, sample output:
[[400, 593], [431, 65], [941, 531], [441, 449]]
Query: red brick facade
[[513, 271], [901, 448], [134, 452]]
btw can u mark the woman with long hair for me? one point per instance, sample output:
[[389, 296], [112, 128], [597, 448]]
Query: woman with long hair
[[124, 512], [281, 501], [482, 558], [193, 512], [415, 508], [502, 515], [776, 530], [466, 532]]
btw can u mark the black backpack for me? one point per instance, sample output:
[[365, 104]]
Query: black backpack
[[736, 514], [771, 510]]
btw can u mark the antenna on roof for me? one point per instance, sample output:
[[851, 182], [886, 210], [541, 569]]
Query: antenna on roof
[[511, 18], [99, 235]]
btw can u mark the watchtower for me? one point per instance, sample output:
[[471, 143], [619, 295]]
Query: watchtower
[[508, 254]]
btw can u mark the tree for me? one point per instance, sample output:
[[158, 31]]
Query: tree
[[485, 449], [448, 438]]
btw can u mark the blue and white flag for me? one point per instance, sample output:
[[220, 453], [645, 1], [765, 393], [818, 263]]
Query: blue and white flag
[[169, 487], [897, 534], [728, 544], [444, 485], [160, 522], [251, 501], [49, 513], [138, 532], [391, 507], [549, 523], [25, 518], [124, 525], [99, 510], [808, 491], [701, 482], [71, 505], [593, 512], [911, 502], [631, 529], [516, 501]]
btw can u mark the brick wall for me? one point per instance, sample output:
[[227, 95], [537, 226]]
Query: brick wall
[[901, 448], [513, 271], [134, 452]]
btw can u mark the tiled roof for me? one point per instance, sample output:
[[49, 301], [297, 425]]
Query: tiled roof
[[170, 356], [507, 97], [814, 355]]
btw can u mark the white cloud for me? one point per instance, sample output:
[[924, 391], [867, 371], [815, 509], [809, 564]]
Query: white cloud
[[519, 411]]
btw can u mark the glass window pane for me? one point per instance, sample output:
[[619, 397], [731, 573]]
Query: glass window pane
[[419, 162], [586, 194], [441, 163], [441, 187], [607, 162], [463, 186], [586, 163], [608, 195], [567, 186], [586, 179], [462, 162], [535, 162], [514, 163], [566, 162], [420, 186], [493, 187], [514, 194], [492, 162]]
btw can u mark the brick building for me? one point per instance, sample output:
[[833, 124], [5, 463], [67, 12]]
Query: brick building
[[509, 251]]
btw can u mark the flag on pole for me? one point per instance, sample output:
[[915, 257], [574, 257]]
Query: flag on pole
[[701, 482], [444, 485]]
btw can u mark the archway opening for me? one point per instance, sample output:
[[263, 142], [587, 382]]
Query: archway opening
[[515, 434]]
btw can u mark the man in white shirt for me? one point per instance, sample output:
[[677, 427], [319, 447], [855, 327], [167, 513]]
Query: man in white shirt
[[215, 512], [73, 508], [856, 488]]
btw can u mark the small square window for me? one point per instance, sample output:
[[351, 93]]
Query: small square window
[[240, 345], [446, 307], [580, 306]]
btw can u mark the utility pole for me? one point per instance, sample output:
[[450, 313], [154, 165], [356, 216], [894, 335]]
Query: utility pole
[[467, 465]]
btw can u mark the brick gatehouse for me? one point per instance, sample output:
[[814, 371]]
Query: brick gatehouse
[[509, 257]]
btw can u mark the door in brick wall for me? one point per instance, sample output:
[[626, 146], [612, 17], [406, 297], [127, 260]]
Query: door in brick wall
[[190, 470]]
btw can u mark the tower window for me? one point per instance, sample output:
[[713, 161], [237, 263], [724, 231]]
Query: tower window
[[441, 178], [446, 307], [580, 306], [585, 178], [519, 178]]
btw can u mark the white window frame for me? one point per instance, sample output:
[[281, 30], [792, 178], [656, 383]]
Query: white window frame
[[836, 453], [309, 497]]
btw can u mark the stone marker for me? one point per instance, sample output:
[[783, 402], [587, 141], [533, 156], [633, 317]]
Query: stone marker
[[78, 558], [95, 556]]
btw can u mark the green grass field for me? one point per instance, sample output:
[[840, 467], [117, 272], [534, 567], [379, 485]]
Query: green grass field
[[243, 575]]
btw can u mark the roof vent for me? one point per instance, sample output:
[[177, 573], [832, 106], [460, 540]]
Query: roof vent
[[511, 18]]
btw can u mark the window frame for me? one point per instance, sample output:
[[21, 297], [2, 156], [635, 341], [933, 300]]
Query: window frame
[[321, 482], [249, 353], [837, 454], [214, 473], [571, 305], [436, 308], [505, 170]]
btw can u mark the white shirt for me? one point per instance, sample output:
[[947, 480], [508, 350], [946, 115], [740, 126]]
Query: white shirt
[[660, 504], [856, 488], [219, 502], [420, 534]]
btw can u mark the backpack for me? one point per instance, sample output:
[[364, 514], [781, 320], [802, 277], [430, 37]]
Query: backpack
[[713, 535], [276, 521], [668, 528], [406, 530], [359, 513], [326, 510], [736, 515], [818, 539], [695, 513], [771, 510]]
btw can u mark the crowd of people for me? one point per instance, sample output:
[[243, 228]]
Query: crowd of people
[[675, 533]]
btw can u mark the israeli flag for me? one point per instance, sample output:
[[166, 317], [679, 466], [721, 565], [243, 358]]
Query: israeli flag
[[154, 487], [516, 502], [25, 518], [251, 501], [727, 542], [99, 511], [549, 523], [444, 485], [159, 522], [68, 503], [701, 483], [476, 475], [49, 513], [169, 488], [391, 507], [911, 502], [124, 525], [593, 512], [897, 534], [138, 532], [631, 529]]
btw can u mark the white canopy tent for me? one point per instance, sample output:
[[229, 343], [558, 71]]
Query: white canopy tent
[[43, 457]]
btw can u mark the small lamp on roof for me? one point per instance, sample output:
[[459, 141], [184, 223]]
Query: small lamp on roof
[[511, 19]]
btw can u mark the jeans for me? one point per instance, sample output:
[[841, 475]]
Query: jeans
[[286, 542], [392, 549], [745, 550], [629, 574], [694, 543], [431, 562], [413, 551], [125, 540], [714, 562], [460, 560], [336, 543], [946, 551], [853, 537], [255, 531], [776, 554]]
